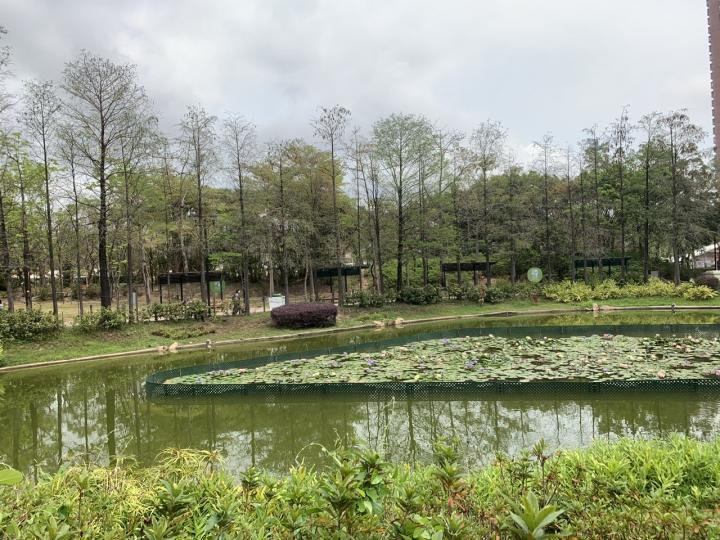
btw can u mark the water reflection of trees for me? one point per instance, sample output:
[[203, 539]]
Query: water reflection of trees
[[101, 414]]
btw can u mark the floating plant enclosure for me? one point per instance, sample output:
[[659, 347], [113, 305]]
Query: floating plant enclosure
[[470, 363]]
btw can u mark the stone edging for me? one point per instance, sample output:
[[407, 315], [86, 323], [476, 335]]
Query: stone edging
[[162, 349]]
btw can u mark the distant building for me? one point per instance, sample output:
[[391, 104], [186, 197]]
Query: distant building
[[714, 32], [706, 257]]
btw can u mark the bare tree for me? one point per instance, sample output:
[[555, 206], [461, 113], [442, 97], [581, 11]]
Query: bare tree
[[68, 153], [198, 140], [135, 147], [100, 94], [40, 120], [5, 97], [650, 124], [4, 244], [277, 154], [396, 144], [620, 139], [18, 155], [330, 127], [239, 142], [487, 142], [546, 150]]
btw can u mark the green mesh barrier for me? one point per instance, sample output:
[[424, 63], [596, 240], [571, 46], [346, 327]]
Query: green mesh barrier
[[156, 386]]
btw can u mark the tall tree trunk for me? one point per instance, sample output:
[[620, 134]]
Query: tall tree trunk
[[48, 213], [128, 238], [244, 240], [76, 227], [573, 239], [4, 246], [105, 288], [486, 230], [147, 281], [338, 254], [283, 243], [27, 285]]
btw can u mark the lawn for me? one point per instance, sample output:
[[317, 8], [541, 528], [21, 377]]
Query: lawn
[[73, 343]]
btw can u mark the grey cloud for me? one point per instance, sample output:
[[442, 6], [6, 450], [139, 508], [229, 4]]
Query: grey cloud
[[556, 65]]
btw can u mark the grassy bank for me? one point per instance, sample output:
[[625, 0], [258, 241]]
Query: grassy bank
[[71, 343], [632, 489]]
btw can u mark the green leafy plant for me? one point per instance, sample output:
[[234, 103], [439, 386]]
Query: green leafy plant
[[419, 296], [27, 324], [530, 522], [10, 477]]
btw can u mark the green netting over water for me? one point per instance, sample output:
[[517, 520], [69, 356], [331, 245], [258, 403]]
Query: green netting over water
[[156, 385]]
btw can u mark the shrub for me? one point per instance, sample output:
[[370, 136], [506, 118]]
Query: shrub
[[699, 292], [568, 291], [467, 291], [304, 315], [105, 319], [90, 292], [499, 292], [43, 293], [175, 311], [365, 299], [27, 324], [419, 296], [710, 279]]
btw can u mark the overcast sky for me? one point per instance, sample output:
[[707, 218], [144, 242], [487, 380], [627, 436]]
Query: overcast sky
[[536, 65]]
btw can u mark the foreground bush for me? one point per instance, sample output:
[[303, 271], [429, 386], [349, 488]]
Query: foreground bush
[[104, 319], [569, 292], [27, 324], [419, 296], [632, 489], [308, 315]]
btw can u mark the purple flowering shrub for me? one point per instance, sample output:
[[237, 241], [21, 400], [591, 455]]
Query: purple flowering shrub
[[309, 315]]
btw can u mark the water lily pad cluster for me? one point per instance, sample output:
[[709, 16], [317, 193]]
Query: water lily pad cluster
[[492, 358]]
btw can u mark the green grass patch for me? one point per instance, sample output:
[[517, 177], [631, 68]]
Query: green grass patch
[[70, 343]]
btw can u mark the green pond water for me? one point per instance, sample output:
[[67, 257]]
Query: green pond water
[[99, 412]]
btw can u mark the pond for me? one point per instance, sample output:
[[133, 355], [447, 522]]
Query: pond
[[98, 412]]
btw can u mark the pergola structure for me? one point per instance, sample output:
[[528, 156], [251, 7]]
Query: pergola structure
[[473, 267], [181, 278], [603, 262], [331, 272]]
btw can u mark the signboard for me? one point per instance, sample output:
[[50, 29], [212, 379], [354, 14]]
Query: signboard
[[535, 275], [276, 300], [216, 287]]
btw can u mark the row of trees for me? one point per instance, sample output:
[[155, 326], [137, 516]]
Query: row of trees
[[92, 191]]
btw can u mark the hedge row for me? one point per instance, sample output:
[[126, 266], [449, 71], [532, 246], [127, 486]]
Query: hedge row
[[307, 315]]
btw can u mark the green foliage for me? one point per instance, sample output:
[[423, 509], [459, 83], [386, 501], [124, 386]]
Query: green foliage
[[499, 292], [43, 293], [27, 324], [366, 299], [529, 521], [91, 292], [569, 292], [490, 358], [104, 319], [10, 477], [175, 311], [630, 489], [419, 296], [467, 291]]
